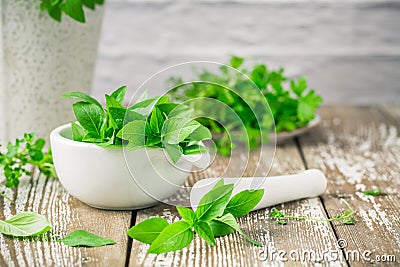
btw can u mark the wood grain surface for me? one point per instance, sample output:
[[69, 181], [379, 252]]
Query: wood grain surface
[[358, 148]]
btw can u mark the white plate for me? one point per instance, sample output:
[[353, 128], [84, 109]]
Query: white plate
[[281, 137]]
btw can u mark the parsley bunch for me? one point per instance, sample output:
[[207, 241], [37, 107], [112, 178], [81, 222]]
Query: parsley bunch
[[72, 8], [215, 216], [25, 151], [291, 102], [152, 123]]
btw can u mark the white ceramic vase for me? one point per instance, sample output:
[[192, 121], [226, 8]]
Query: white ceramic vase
[[39, 60]]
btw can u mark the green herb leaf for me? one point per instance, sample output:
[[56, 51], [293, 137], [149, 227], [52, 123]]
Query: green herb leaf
[[25, 224], [204, 230], [195, 149], [212, 204], [90, 117], [243, 202], [134, 133], [122, 116], [187, 214], [78, 132], [119, 94], [176, 130], [199, 134], [156, 120], [111, 102], [74, 9], [174, 237], [228, 219], [174, 151], [82, 238], [148, 230], [82, 97], [220, 228], [373, 192]]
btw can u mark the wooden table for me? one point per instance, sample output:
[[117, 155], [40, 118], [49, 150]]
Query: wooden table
[[356, 147]]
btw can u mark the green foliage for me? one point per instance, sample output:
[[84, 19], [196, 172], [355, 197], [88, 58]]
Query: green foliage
[[373, 192], [211, 219], [82, 238], [72, 8], [25, 224], [347, 217], [291, 102], [152, 123], [25, 151]]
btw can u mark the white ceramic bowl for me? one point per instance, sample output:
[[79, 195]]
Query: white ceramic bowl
[[110, 178]]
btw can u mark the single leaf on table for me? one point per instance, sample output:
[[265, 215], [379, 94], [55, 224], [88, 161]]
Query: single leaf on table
[[134, 133], [243, 202], [174, 237], [204, 230], [90, 116], [25, 224], [175, 130], [148, 230], [187, 214], [174, 151], [119, 94], [220, 228], [228, 219], [373, 192], [213, 204], [82, 238], [78, 132], [82, 97]]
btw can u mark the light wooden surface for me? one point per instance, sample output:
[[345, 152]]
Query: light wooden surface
[[356, 147]]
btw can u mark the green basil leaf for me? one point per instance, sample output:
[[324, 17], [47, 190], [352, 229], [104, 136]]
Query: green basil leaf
[[89, 3], [243, 202], [153, 140], [74, 9], [112, 102], [187, 214], [134, 133], [119, 94], [148, 230], [174, 237], [200, 134], [228, 219], [175, 130], [25, 224], [122, 116], [90, 116], [174, 151], [213, 204], [78, 132], [82, 97], [146, 106], [167, 107], [181, 111], [220, 228], [82, 238], [204, 231], [156, 120]]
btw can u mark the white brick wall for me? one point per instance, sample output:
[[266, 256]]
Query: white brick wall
[[350, 50]]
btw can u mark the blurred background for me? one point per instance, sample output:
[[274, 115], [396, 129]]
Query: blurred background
[[349, 50]]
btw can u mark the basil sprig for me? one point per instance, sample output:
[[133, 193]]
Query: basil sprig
[[214, 217], [152, 123], [72, 8]]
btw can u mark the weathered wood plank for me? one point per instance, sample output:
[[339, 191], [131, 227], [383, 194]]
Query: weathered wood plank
[[48, 197], [233, 250], [358, 149]]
